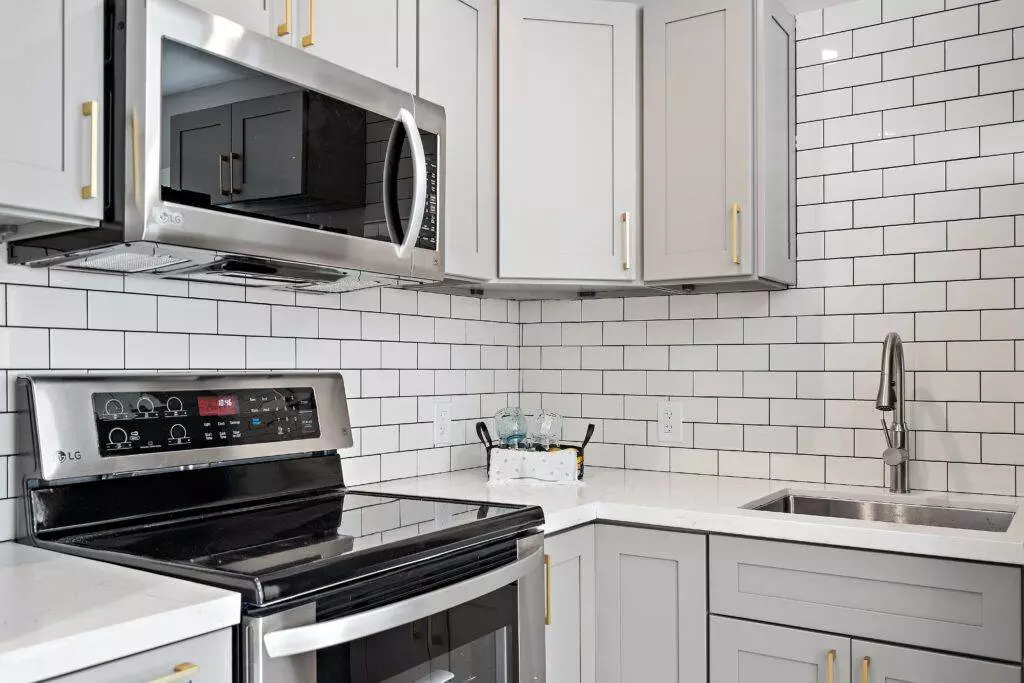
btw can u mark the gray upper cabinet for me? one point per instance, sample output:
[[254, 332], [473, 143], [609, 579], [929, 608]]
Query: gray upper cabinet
[[458, 69], [51, 127], [719, 143], [879, 663], [570, 631], [252, 14], [568, 140], [652, 611], [744, 652], [376, 38]]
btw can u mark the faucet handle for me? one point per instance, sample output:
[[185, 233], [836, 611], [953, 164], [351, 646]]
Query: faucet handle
[[895, 456], [888, 434]]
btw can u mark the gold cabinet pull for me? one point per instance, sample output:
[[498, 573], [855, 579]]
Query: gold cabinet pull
[[307, 39], [286, 28], [182, 672], [91, 109], [626, 238], [865, 670], [736, 233], [223, 160], [547, 590], [831, 666]]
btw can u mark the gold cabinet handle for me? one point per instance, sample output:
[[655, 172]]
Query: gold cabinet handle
[[286, 28], [223, 160], [182, 672], [626, 236], [865, 670], [831, 666], [307, 39], [736, 233], [91, 109], [547, 590]]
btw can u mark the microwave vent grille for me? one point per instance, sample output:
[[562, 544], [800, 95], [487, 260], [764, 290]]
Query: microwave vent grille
[[345, 284], [129, 262]]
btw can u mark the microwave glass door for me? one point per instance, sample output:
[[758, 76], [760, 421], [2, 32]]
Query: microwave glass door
[[237, 140], [473, 642]]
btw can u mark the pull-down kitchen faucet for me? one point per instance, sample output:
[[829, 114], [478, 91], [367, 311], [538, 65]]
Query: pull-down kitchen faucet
[[891, 398]]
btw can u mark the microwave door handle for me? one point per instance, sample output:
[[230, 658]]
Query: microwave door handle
[[303, 639], [419, 188]]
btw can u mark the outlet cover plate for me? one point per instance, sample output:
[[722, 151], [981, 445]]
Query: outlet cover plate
[[670, 421]]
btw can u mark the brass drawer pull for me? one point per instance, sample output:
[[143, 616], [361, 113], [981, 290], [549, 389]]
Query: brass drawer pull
[[91, 109], [736, 233], [831, 666], [182, 672], [865, 670], [307, 39], [286, 28]]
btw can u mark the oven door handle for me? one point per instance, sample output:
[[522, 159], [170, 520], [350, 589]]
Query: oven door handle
[[303, 639]]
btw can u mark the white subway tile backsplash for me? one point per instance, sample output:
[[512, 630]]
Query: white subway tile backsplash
[[954, 144], [953, 205], [1002, 76], [824, 49], [216, 352], [885, 95], [850, 72], [86, 349], [824, 105], [156, 351], [850, 186], [1001, 14], [851, 15], [1002, 201], [900, 9], [979, 111], [915, 179], [823, 161], [883, 37], [45, 307], [810, 79], [913, 61], [946, 25], [981, 172]]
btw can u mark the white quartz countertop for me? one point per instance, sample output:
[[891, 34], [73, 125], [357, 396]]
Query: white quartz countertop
[[713, 504], [60, 613]]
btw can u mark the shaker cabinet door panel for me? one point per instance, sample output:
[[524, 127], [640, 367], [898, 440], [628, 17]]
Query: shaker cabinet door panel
[[200, 145], [879, 663], [376, 38], [568, 153], [748, 652], [267, 147], [458, 69], [698, 113], [569, 642], [652, 607], [51, 125]]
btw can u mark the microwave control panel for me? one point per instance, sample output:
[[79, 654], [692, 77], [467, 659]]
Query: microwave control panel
[[428, 230], [133, 423]]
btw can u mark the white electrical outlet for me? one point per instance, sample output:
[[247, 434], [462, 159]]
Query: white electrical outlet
[[670, 421], [442, 422]]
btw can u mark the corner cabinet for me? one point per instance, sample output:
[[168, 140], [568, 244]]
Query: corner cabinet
[[652, 606], [376, 38], [719, 143], [570, 630], [458, 69], [52, 126], [568, 140]]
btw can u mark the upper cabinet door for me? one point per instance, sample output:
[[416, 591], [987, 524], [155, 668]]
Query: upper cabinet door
[[568, 152], [200, 149], [376, 38], [458, 69], [252, 14], [51, 128], [698, 144]]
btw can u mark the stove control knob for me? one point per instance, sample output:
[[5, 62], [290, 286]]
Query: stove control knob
[[113, 407], [117, 436], [178, 431], [174, 404], [145, 405]]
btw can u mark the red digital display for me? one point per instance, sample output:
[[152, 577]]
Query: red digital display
[[216, 406]]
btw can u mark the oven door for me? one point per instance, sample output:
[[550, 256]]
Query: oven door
[[485, 629], [243, 145]]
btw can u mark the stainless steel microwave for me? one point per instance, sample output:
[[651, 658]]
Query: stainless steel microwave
[[231, 155]]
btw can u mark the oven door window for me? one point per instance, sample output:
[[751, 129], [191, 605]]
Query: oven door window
[[475, 641], [244, 142]]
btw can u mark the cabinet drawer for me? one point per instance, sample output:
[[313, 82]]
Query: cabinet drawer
[[210, 654], [941, 604]]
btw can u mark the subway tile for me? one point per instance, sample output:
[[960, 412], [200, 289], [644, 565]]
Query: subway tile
[[948, 446], [941, 206], [86, 349], [974, 478], [1002, 76], [947, 85], [744, 356], [885, 95], [838, 216], [824, 329], [877, 270], [693, 357], [984, 355], [1002, 139], [946, 386], [954, 144], [743, 464], [979, 111], [742, 304], [334, 324], [947, 265], [930, 296], [365, 299], [1002, 201], [854, 471], [646, 308], [580, 334], [824, 105], [743, 411], [913, 61], [317, 353], [824, 49], [908, 239], [830, 273], [216, 352], [913, 120], [981, 172], [763, 438], [45, 307], [810, 135], [398, 301], [116, 311], [901, 9], [156, 351], [602, 309], [883, 154], [823, 161], [810, 246], [883, 37], [872, 328], [622, 333], [1006, 324], [850, 72], [851, 186], [983, 49], [797, 302], [887, 211], [851, 15], [808, 24], [669, 332], [1002, 386], [694, 306], [915, 179], [1001, 14], [776, 330], [810, 79], [717, 383], [78, 279], [946, 25], [797, 356], [857, 299], [758, 384], [269, 353], [852, 357], [947, 326], [810, 191], [724, 331], [979, 294], [825, 441], [718, 436], [24, 348]]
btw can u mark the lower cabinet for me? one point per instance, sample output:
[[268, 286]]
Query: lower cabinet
[[570, 630], [745, 651], [651, 606], [203, 659]]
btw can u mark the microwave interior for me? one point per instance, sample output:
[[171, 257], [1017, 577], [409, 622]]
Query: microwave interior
[[240, 141]]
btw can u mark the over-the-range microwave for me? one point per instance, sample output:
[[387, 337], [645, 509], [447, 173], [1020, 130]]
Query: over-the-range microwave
[[231, 155]]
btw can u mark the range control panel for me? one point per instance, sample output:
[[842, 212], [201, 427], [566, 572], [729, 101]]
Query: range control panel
[[132, 423]]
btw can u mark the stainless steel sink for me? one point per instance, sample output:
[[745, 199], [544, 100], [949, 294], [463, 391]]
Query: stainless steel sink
[[978, 519]]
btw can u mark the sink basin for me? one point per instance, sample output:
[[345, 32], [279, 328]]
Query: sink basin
[[978, 519]]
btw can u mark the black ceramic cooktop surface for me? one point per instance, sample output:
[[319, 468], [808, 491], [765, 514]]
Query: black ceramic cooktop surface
[[275, 551]]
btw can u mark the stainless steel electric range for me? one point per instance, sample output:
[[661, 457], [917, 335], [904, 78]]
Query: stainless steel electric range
[[235, 481]]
